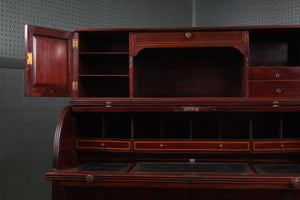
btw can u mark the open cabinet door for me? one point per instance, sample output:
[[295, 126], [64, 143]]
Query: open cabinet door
[[49, 62]]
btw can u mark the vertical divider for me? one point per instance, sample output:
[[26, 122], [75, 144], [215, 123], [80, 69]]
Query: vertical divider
[[250, 127], [103, 127], [220, 126], [246, 65], [250, 156], [191, 126], [132, 126], [280, 132], [131, 57], [161, 126]]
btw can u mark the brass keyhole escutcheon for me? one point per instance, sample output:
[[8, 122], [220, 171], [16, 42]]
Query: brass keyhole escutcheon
[[278, 91], [188, 35], [89, 178], [277, 75]]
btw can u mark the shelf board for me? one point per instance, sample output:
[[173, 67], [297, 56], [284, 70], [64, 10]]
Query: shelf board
[[103, 75], [104, 53]]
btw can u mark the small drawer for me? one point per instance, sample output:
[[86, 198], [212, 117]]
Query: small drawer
[[274, 73], [191, 146], [274, 88], [194, 38], [276, 146], [121, 145]]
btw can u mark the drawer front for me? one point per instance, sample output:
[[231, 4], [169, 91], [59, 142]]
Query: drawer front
[[191, 146], [274, 88], [103, 144], [276, 146], [189, 37], [274, 73]]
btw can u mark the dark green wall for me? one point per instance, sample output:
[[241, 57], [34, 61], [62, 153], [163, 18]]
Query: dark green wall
[[246, 12], [27, 124]]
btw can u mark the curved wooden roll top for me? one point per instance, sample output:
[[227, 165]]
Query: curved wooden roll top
[[63, 147]]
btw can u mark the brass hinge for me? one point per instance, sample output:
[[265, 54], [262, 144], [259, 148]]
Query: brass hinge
[[75, 86], [130, 62], [75, 43], [29, 58]]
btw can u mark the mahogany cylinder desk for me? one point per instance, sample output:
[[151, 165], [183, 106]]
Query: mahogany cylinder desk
[[171, 113]]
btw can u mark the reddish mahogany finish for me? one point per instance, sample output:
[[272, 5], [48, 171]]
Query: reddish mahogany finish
[[202, 95], [221, 146], [274, 73], [52, 69], [275, 88], [276, 146]]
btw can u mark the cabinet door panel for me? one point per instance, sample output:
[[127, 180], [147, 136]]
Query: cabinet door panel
[[49, 64]]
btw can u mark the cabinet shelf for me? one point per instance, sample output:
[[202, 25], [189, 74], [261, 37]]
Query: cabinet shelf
[[104, 53], [104, 75]]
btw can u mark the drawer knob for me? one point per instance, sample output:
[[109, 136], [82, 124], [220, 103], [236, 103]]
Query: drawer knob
[[220, 145], [89, 178], [295, 182], [161, 145], [277, 75], [188, 35], [102, 144], [278, 91], [282, 146]]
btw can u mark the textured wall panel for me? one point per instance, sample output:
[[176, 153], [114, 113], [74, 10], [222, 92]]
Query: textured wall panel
[[70, 14], [245, 12], [27, 131]]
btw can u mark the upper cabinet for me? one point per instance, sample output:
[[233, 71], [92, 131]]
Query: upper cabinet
[[163, 62]]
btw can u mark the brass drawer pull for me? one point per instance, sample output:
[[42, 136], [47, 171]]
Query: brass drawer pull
[[220, 145], [188, 35], [161, 145], [278, 91], [102, 144], [282, 146], [277, 75], [295, 182], [89, 178]]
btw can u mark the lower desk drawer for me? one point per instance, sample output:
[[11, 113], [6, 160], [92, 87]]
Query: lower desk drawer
[[214, 146], [121, 145], [276, 146], [274, 88]]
